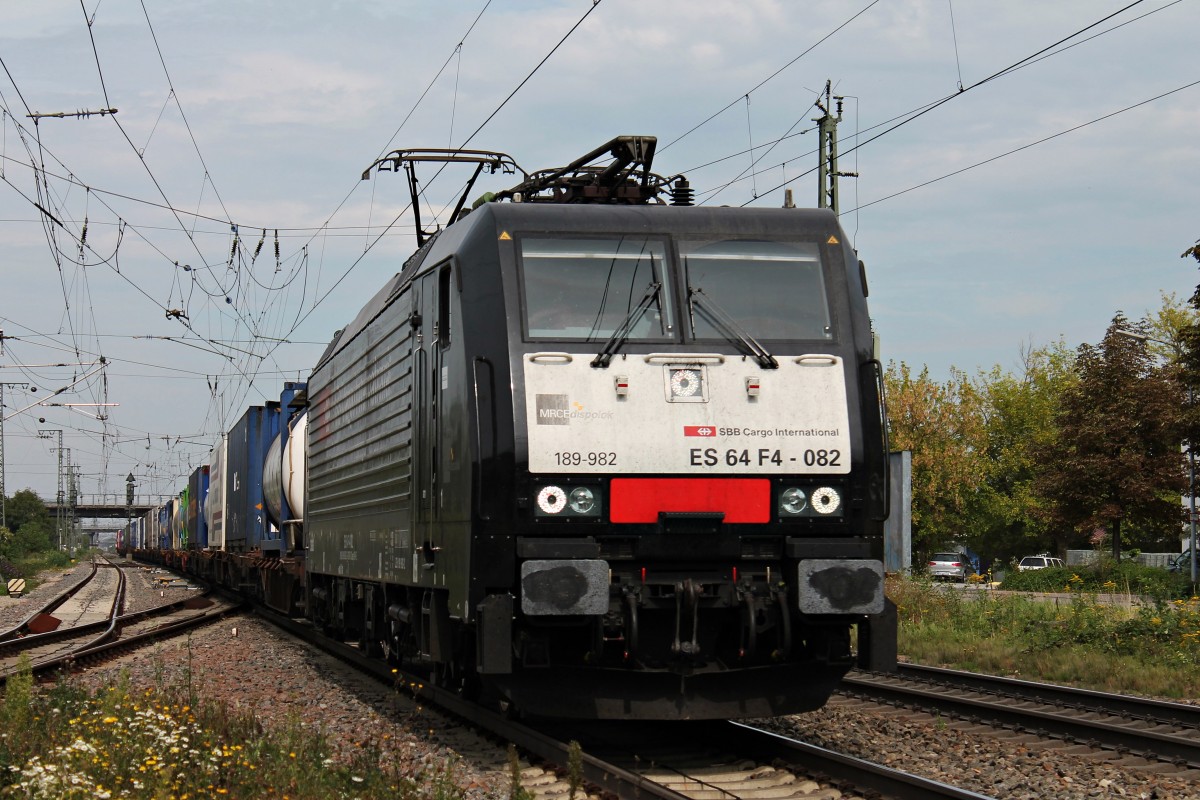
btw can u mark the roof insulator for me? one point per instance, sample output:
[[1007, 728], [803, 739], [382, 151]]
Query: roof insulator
[[682, 194]]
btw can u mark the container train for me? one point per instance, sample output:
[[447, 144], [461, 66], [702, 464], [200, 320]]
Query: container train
[[593, 452]]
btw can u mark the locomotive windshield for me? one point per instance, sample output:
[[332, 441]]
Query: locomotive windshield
[[773, 290], [587, 288]]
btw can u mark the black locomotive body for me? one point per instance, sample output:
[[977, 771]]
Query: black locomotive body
[[607, 461], [588, 455]]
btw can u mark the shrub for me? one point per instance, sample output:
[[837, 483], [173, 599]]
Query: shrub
[[9, 570], [1104, 577]]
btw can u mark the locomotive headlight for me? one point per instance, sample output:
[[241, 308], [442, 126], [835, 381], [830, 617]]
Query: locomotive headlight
[[792, 501], [551, 500], [569, 501], [684, 382], [808, 502], [826, 500], [583, 500]]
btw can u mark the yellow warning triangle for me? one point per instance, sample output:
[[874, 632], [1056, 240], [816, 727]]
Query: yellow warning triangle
[[504, 237], [832, 240]]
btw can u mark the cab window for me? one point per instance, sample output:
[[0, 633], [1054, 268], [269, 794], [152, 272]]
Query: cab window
[[588, 288], [772, 290]]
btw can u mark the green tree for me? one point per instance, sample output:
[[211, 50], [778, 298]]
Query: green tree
[[942, 426], [1019, 423], [1166, 326], [31, 525], [1193, 251], [1115, 459]]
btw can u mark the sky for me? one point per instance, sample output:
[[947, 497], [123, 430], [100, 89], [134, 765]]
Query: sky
[[1025, 170]]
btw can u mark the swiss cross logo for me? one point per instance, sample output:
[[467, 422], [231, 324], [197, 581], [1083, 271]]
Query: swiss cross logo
[[699, 430]]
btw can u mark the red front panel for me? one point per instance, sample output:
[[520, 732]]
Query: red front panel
[[641, 499]]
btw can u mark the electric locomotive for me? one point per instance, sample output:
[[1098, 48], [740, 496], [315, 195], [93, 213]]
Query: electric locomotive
[[597, 452]]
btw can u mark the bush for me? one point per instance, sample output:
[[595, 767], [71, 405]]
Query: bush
[[56, 559], [1105, 577], [9, 570]]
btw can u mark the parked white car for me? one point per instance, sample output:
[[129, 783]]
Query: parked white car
[[1038, 562]]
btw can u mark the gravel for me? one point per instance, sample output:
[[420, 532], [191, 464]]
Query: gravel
[[1003, 765], [280, 680]]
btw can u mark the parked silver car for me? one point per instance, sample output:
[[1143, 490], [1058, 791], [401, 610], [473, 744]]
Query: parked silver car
[[949, 566]]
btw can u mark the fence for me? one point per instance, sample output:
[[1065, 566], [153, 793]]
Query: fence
[[1081, 557]]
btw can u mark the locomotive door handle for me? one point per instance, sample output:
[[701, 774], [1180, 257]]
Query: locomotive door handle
[[485, 426], [876, 368]]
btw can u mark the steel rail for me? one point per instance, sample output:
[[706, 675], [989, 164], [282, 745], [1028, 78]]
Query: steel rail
[[35, 639], [1120, 704], [23, 626], [767, 745], [166, 630], [737, 759], [1175, 747]]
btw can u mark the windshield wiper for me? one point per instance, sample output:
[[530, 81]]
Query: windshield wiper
[[621, 334], [720, 316]]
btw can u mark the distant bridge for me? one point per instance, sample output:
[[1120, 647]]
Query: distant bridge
[[99, 508]]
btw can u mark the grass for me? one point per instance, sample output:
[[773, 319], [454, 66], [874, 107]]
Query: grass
[[1151, 649], [31, 565], [67, 742]]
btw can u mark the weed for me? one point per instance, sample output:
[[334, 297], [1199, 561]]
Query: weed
[[574, 768], [118, 743], [1151, 649], [516, 790]]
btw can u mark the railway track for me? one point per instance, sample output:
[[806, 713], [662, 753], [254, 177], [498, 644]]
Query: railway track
[[717, 760], [697, 761], [85, 622], [1155, 731], [36, 622]]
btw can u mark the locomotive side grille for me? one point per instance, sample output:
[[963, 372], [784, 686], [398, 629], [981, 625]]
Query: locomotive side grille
[[762, 547], [616, 548]]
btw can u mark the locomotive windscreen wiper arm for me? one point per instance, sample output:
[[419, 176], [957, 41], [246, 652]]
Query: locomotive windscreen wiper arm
[[621, 334], [722, 317]]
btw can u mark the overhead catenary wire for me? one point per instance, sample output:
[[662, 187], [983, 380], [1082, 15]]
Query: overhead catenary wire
[[768, 79], [1026, 146], [463, 144], [242, 316], [977, 84], [56, 249], [320, 231], [707, 194]]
